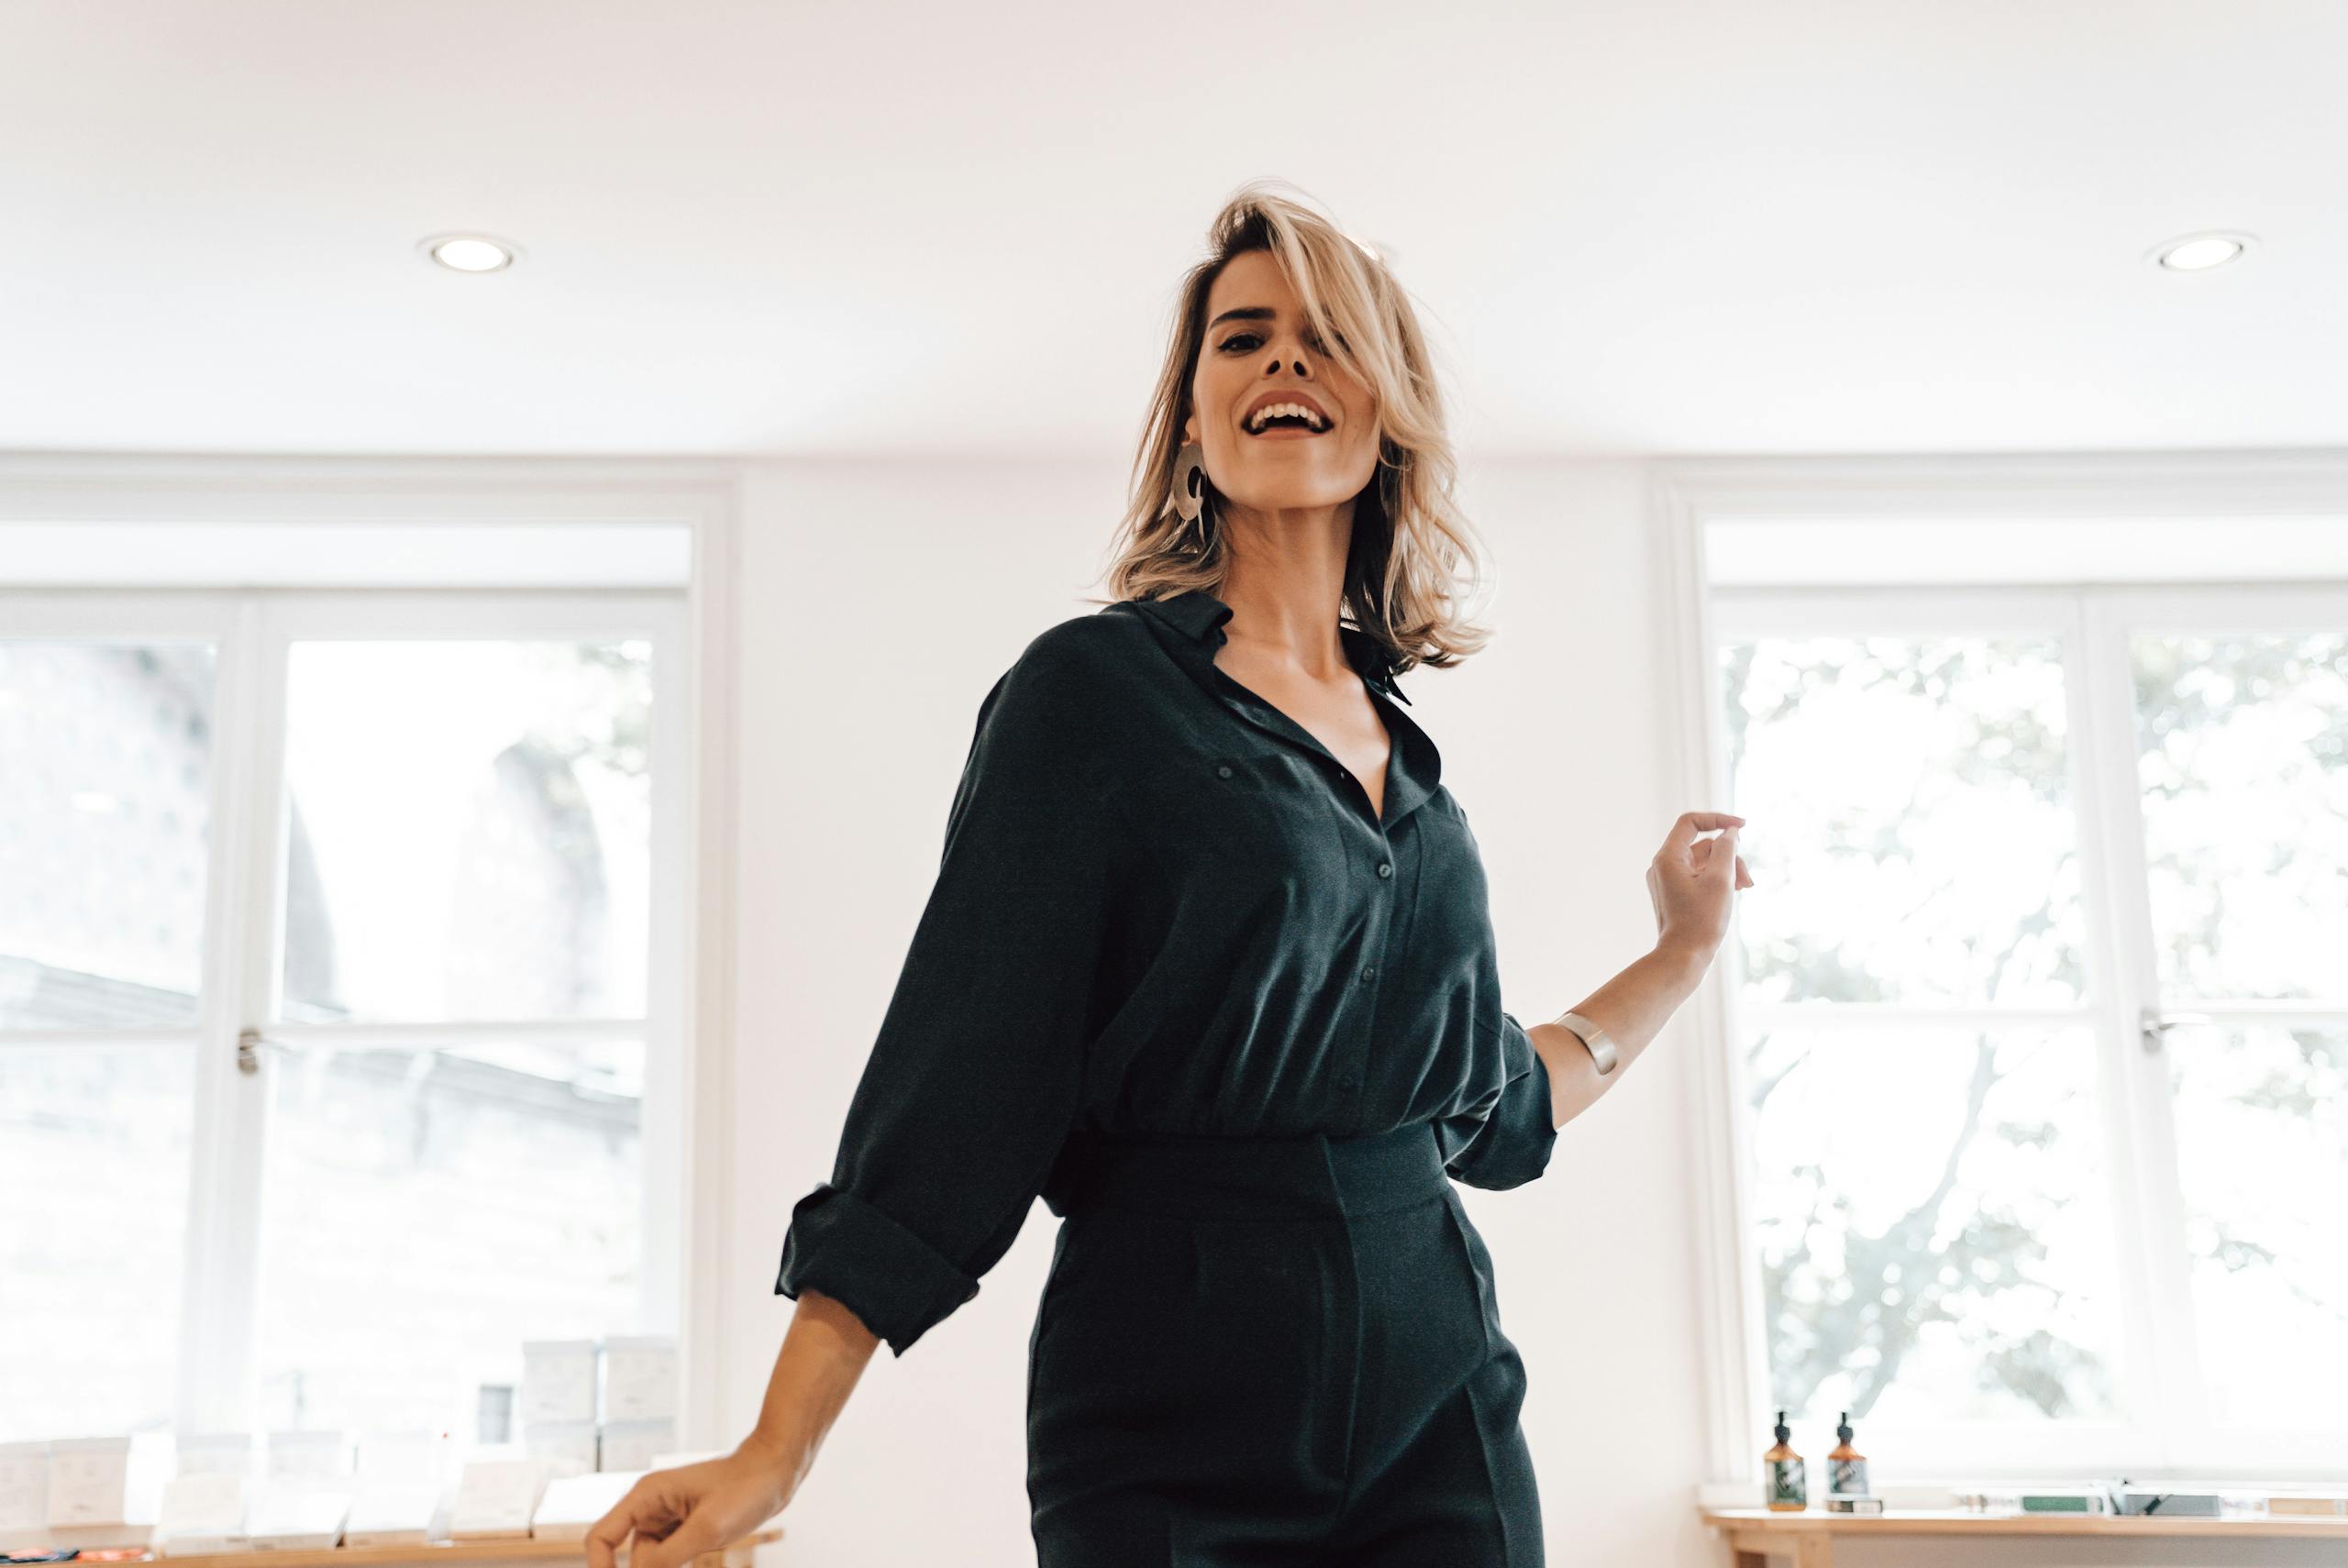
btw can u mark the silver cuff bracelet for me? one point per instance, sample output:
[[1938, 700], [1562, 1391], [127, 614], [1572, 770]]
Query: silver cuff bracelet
[[1601, 1047]]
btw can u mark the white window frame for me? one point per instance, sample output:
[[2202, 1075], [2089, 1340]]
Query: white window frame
[[688, 1284], [2094, 621]]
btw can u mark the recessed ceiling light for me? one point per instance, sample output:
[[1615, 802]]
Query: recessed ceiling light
[[2199, 252], [470, 252]]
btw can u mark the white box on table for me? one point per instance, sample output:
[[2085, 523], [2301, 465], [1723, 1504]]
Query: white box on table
[[203, 1513], [24, 1495], [557, 1381], [635, 1445], [573, 1502], [567, 1447], [212, 1453], [640, 1377], [309, 1454], [496, 1498], [298, 1513]]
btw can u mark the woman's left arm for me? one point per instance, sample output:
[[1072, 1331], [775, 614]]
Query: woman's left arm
[[1691, 881], [1632, 1007]]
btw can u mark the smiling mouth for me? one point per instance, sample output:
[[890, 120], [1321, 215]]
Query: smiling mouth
[[1289, 425]]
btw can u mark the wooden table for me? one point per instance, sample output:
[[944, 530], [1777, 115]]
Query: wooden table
[[435, 1554], [1808, 1537]]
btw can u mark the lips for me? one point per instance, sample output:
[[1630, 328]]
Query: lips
[[1308, 400]]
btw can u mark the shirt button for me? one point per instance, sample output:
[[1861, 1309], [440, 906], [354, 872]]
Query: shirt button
[[1224, 771], [1385, 868], [1369, 972]]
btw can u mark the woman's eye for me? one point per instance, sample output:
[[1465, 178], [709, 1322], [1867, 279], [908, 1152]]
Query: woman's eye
[[1315, 344]]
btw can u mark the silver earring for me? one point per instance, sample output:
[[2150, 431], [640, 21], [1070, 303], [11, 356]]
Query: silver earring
[[1190, 482]]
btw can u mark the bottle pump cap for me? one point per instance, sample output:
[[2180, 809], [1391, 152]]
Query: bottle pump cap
[[1844, 1431], [1785, 1432]]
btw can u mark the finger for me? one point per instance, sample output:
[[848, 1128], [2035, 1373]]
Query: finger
[[606, 1535], [687, 1541], [647, 1511], [1691, 826], [1676, 842], [1724, 852]]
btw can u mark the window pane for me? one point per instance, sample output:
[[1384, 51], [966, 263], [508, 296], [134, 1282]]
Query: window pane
[[426, 1211], [2261, 1135], [1921, 842], [468, 829], [106, 767], [1934, 1240], [2242, 756], [94, 1141]]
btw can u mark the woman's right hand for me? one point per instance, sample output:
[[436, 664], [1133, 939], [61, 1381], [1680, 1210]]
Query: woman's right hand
[[676, 1515]]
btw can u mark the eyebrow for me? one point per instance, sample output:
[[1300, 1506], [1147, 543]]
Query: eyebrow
[[1245, 313]]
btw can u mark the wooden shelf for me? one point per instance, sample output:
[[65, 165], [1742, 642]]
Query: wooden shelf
[[434, 1554], [1808, 1537]]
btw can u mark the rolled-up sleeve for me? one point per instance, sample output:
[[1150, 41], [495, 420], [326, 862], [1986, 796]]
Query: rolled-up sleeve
[[978, 1072], [1514, 1143]]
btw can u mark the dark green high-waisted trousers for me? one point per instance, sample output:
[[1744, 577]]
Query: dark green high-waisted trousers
[[1274, 1352]]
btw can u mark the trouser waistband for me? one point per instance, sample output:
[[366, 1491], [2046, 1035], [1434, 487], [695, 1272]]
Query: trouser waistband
[[1314, 1176]]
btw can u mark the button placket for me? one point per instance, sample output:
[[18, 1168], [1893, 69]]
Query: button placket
[[1378, 932]]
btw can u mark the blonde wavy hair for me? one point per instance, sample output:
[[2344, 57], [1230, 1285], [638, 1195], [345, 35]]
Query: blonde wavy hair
[[1411, 541]]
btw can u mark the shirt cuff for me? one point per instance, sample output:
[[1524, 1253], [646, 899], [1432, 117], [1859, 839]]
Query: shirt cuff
[[1514, 1144], [897, 1283]]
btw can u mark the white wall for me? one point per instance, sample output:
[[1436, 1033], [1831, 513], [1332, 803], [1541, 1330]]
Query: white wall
[[878, 602]]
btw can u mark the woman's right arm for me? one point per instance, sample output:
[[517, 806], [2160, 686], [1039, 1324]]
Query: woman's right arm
[[677, 1514], [824, 1352], [972, 1084]]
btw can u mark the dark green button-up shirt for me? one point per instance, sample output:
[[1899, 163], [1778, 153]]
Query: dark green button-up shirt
[[1163, 908]]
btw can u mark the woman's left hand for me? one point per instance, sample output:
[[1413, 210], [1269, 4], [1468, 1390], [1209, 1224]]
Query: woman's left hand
[[1692, 880]]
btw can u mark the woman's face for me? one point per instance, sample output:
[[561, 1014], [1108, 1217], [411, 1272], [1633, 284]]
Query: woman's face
[[1257, 352]]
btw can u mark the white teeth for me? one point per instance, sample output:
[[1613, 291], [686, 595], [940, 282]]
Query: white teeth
[[1256, 420]]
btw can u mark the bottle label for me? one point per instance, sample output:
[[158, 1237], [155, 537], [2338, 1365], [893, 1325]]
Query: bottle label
[[1788, 1482], [1846, 1476]]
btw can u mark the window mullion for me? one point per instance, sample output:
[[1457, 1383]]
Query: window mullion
[[675, 1256], [229, 1118], [2146, 1196]]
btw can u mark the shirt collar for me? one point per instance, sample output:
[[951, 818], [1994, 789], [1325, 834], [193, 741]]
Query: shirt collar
[[1200, 615], [1195, 617]]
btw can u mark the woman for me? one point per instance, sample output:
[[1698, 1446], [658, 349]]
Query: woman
[[1208, 966]]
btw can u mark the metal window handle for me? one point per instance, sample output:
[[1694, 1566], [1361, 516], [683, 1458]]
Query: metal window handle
[[249, 1043], [2153, 1024]]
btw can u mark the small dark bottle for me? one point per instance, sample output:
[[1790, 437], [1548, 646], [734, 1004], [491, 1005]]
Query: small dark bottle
[[1786, 1476], [1846, 1467]]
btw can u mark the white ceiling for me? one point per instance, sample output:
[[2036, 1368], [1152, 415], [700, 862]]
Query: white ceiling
[[1742, 226]]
